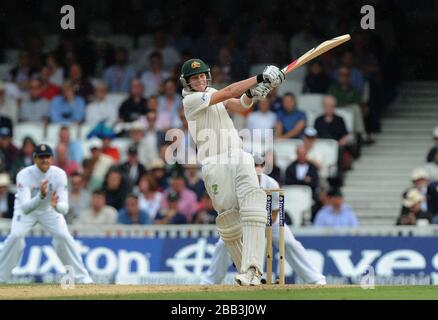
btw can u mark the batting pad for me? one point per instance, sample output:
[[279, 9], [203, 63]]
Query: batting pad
[[230, 230], [254, 217]]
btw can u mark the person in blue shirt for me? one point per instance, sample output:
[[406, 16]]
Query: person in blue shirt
[[171, 215], [131, 213], [291, 122], [68, 107], [336, 213]]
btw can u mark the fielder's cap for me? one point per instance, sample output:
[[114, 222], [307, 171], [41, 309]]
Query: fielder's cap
[[310, 132], [132, 149], [435, 132], [335, 193], [419, 173], [156, 164], [43, 150], [173, 196], [5, 132], [413, 197], [5, 180]]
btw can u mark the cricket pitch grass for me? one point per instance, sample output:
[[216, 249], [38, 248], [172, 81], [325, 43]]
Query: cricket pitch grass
[[217, 292]]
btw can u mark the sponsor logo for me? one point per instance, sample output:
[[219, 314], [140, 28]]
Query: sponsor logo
[[195, 64]]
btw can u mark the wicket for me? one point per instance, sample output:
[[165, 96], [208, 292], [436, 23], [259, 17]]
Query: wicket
[[281, 247]]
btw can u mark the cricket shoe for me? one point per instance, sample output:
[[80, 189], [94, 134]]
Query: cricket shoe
[[249, 278]]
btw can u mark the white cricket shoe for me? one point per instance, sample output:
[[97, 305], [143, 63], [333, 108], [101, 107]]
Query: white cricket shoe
[[249, 278]]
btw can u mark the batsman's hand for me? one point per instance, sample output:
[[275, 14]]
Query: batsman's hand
[[259, 92], [273, 75]]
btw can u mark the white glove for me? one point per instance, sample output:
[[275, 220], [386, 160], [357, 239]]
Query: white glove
[[273, 75], [260, 91]]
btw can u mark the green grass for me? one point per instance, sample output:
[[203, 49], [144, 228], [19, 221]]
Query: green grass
[[353, 293]]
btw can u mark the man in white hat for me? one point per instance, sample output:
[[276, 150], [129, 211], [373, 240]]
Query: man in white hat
[[420, 181], [411, 212]]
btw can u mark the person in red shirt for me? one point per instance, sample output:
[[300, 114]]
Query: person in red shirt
[[108, 149], [48, 89]]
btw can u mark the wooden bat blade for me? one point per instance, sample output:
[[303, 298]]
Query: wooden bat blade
[[316, 52]]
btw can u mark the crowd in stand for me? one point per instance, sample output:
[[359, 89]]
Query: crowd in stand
[[67, 87]]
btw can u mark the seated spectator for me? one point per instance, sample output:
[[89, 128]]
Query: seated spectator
[[262, 119], [101, 109], [357, 79], [99, 165], [411, 211], [157, 170], [98, 213], [68, 107], [147, 145], [431, 154], [336, 213], [108, 149], [79, 197], [34, 108], [75, 151], [169, 105], [55, 69], [303, 172], [313, 154], [119, 75], [132, 170], [153, 79], [432, 167], [8, 105], [187, 203], [9, 153], [82, 87], [420, 181], [115, 187], [131, 213], [193, 180], [152, 104], [290, 121], [316, 81], [171, 214], [61, 160], [25, 157], [135, 106], [7, 197], [149, 198], [206, 213], [23, 72], [48, 89], [432, 200], [276, 101]]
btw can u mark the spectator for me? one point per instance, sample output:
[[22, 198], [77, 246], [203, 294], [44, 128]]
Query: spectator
[[168, 106], [48, 89], [420, 181], [330, 125], [23, 72], [316, 81], [75, 152], [276, 101], [290, 121], [170, 56], [147, 145], [206, 213], [8, 105], [56, 71], [78, 196], [432, 200], [336, 213], [152, 104], [131, 213], [411, 211], [115, 187], [432, 167], [171, 214], [431, 154], [61, 160], [357, 79], [25, 157], [187, 203], [132, 170], [153, 78], [135, 106], [119, 75], [193, 180], [313, 154], [157, 170], [101, 109], [262, 119], [98, 213], [68, 107], [149, 198], [108, 149], [7, 197], [82, 87], [8, 151], [35, 108], [99, 165], [303, 172]]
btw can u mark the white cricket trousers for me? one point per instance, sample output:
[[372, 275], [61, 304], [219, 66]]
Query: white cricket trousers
[[295, 255], [63, 242]]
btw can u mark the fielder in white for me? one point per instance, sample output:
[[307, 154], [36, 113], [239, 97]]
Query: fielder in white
[[42, 197], [295, 254], [228, 171]]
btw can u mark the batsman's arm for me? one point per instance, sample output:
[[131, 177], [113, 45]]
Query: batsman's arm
[[235, 90], [26, 202]]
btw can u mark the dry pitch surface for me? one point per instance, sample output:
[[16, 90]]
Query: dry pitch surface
[[219, 292]]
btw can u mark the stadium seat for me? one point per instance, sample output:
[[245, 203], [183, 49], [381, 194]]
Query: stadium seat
[[53, 131], [121, 40], [116, 98], [83, 130], [329, 149], [35, 130], [290, 85], [310, 102], [122, 144], [347, 115], [298, 203], [311, 117], [284, 151], [145, 41]]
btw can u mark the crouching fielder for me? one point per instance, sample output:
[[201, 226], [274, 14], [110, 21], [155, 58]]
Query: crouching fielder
[[42, 197], [296, 256]]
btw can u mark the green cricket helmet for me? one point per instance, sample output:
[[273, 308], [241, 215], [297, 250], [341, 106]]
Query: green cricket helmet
[[192, 67]]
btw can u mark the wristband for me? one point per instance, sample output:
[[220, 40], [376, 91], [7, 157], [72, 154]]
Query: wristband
[[260, 78], [242, 102]]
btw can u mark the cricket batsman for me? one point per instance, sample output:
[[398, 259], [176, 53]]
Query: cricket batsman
[[295, 254], [232, 185], [42, 197]]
